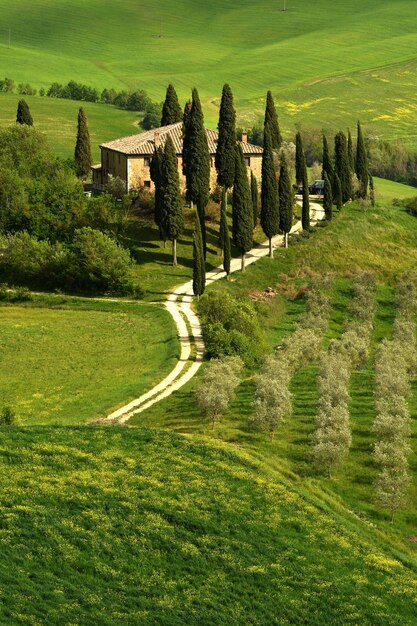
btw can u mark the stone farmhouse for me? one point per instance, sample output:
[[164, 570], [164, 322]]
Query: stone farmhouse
[[129, 158]]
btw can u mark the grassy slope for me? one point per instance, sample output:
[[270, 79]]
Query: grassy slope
[[69, 366], [326, 62], [58, 120], [94, 530], [384, 240]]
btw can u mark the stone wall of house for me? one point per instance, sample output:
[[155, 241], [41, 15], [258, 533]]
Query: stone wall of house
[[113, 163], [135, 169]]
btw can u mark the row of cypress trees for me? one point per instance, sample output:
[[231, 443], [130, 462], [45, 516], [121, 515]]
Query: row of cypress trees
[[276, 193], [338, 174]]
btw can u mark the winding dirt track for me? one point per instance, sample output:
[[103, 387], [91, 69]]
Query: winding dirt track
[[179, 305]]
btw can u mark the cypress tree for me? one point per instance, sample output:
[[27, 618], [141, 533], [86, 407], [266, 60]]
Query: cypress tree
[[199, 266], [341, 163], [269, 192], [171, 202], [362, 171], [82, 153], [171, 111], [186, 140], [255, 197], [155, 172], [327, 162], [225, 238], [305, 214], [299, 160], [338, 199], [242, 208], [271, 121], [327, 198], [202, 218], [371, 190], [286, 200], [23, 115], [351, 156], [225, 151], [196, 156]]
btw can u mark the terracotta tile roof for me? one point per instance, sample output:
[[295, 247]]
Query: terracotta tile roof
[[144, 143]]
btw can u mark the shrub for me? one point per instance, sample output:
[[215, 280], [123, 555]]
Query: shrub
[[7, 416], [231, 327], [98, 263]]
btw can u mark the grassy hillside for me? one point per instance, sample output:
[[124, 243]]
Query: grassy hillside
[[384, 240], [95, 531], [325, 62], [58, 120], [69, 364]]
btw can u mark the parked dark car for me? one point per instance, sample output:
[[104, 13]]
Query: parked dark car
[[316, 188]]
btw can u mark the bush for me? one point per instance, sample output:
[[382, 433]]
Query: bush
[[7, 416], [93, 263], [98, 263], [231, 327]]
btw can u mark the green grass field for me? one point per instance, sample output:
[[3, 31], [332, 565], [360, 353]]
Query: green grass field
[[58, 120], [327, 63], [116, 526], [384, 240], [70, 365]]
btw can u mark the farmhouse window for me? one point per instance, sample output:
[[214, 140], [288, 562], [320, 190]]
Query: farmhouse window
[[247, 161], [147, 161], [147, 184]]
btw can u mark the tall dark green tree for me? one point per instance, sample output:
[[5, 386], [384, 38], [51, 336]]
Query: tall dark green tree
[[299, 159], [224, 235], [371, 190], [341, 165], [305, 214], [23, 115], [327, 198], [327, 162], [286, 200], [242, 208], [362, 168], [196, 156], [255, 197], [202, 218], [351, 155], [269, 192], [199, 266], [271, 121], [337, 194], [82, 153], [155, 172], [225, 151], [172, 209], [186, 138], [171, 111]]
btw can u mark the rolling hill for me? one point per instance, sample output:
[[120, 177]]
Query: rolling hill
[[327, 63], [132, 526]]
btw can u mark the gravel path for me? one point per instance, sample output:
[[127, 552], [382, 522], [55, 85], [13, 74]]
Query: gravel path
[[179, 305]]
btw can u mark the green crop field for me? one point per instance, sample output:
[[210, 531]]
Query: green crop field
[[127, 526], [70, 364], [327, 63]]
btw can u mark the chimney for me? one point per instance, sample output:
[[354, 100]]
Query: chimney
[[157, 139], [244, 137]]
